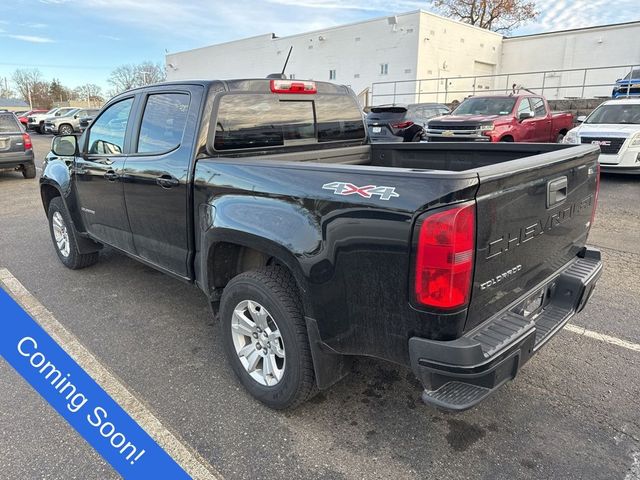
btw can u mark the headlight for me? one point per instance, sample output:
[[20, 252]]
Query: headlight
[[635, 140], [486, 127], [571, 137]]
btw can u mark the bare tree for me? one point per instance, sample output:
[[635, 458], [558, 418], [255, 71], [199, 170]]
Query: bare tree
[[130, 76], [123, 78], [151, 73], [25, 81], [498, 15], [5, 89], [89, 92]]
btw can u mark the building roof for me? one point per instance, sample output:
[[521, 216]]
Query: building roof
[[12, 102], [581, 29]]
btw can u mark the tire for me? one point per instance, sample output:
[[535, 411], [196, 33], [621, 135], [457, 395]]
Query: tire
[[29, 170], [273, 294], [507, 139], [418, 137], [41, 128], [560, 138], [65, 129], [66, 248]]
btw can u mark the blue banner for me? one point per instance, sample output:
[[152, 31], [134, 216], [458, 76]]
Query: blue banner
[[79, 399]]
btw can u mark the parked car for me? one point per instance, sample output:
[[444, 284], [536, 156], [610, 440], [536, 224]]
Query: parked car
[[629, 86], [37, 121], [23, 118], [68, 123], [315, 246], [615, 127], [501, 118], [402, 123], [51, 124], [16, 150], [86, 121]]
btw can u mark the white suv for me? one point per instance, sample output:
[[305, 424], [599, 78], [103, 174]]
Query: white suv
[[615, 127]]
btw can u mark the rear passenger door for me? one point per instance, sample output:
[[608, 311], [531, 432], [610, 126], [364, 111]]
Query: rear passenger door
[[157, 176]]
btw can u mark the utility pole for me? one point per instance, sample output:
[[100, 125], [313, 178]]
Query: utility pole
[[29, 95]]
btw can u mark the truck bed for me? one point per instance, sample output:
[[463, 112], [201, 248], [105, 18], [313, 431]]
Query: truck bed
[[448, 156]]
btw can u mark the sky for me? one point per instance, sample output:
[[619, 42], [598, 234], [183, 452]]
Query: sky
[[81, 41]]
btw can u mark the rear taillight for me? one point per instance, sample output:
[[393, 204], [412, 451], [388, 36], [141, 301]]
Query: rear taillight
[[26, 141], [406, 124], [290, 86], [444, 257], [595, 197]]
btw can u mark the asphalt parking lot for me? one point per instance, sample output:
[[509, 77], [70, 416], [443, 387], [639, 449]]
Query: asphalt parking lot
[[572, 412]]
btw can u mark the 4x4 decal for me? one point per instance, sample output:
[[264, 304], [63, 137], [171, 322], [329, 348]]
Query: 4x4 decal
[[343, 188]]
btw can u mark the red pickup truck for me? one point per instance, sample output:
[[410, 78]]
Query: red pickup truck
[[505, 118]]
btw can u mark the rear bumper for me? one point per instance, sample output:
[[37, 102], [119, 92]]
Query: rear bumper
[[459, 374], [14, 160]]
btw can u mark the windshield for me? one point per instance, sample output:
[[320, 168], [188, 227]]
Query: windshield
[[486, 106], [625, 113], [635, 73], [70, 112]]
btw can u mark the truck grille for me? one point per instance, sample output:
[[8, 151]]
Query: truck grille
[[608, 146], [450, 132]]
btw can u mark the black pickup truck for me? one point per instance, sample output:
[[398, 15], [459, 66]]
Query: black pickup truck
[[458, 260]]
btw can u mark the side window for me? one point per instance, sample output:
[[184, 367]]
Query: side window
[[106, 136], [538, 107], [163, 122], [524, 107]]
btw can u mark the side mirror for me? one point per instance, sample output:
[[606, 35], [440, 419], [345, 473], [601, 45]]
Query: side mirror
[[581, 118], [76, 116], [524, 116], [64, 145]]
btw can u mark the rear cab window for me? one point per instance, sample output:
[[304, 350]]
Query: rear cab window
[[9, 123], [265, 120]]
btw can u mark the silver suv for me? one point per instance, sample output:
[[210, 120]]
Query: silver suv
[[69, 123]]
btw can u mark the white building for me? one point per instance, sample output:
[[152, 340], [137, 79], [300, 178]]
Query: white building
[[420, 56]]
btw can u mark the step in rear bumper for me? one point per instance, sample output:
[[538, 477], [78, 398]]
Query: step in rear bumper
[[459, 374]]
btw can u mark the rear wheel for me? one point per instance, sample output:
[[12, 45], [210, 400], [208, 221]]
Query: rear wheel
[[507, 139], [64, 241], [29, 170], [418, 137], [560, 138], [265, 337]]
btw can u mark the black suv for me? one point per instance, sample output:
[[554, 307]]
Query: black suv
[[402, 123]]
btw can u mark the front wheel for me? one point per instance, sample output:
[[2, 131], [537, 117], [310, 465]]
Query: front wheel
[[64, 240], [65, 129], [265, 337]]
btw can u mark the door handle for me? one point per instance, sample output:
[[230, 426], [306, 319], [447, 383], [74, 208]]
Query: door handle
[[111, 176], [556, 191], [167, 181]]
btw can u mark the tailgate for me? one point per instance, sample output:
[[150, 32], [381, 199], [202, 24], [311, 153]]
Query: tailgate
[[11, 143], [533, 217]]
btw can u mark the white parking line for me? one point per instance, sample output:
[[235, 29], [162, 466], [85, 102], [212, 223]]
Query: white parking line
[[602, 337], [190, 461]]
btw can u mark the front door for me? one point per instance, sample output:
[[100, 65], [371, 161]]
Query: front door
[[98, 171], [528, 125], [542, 120], [157, 179]]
